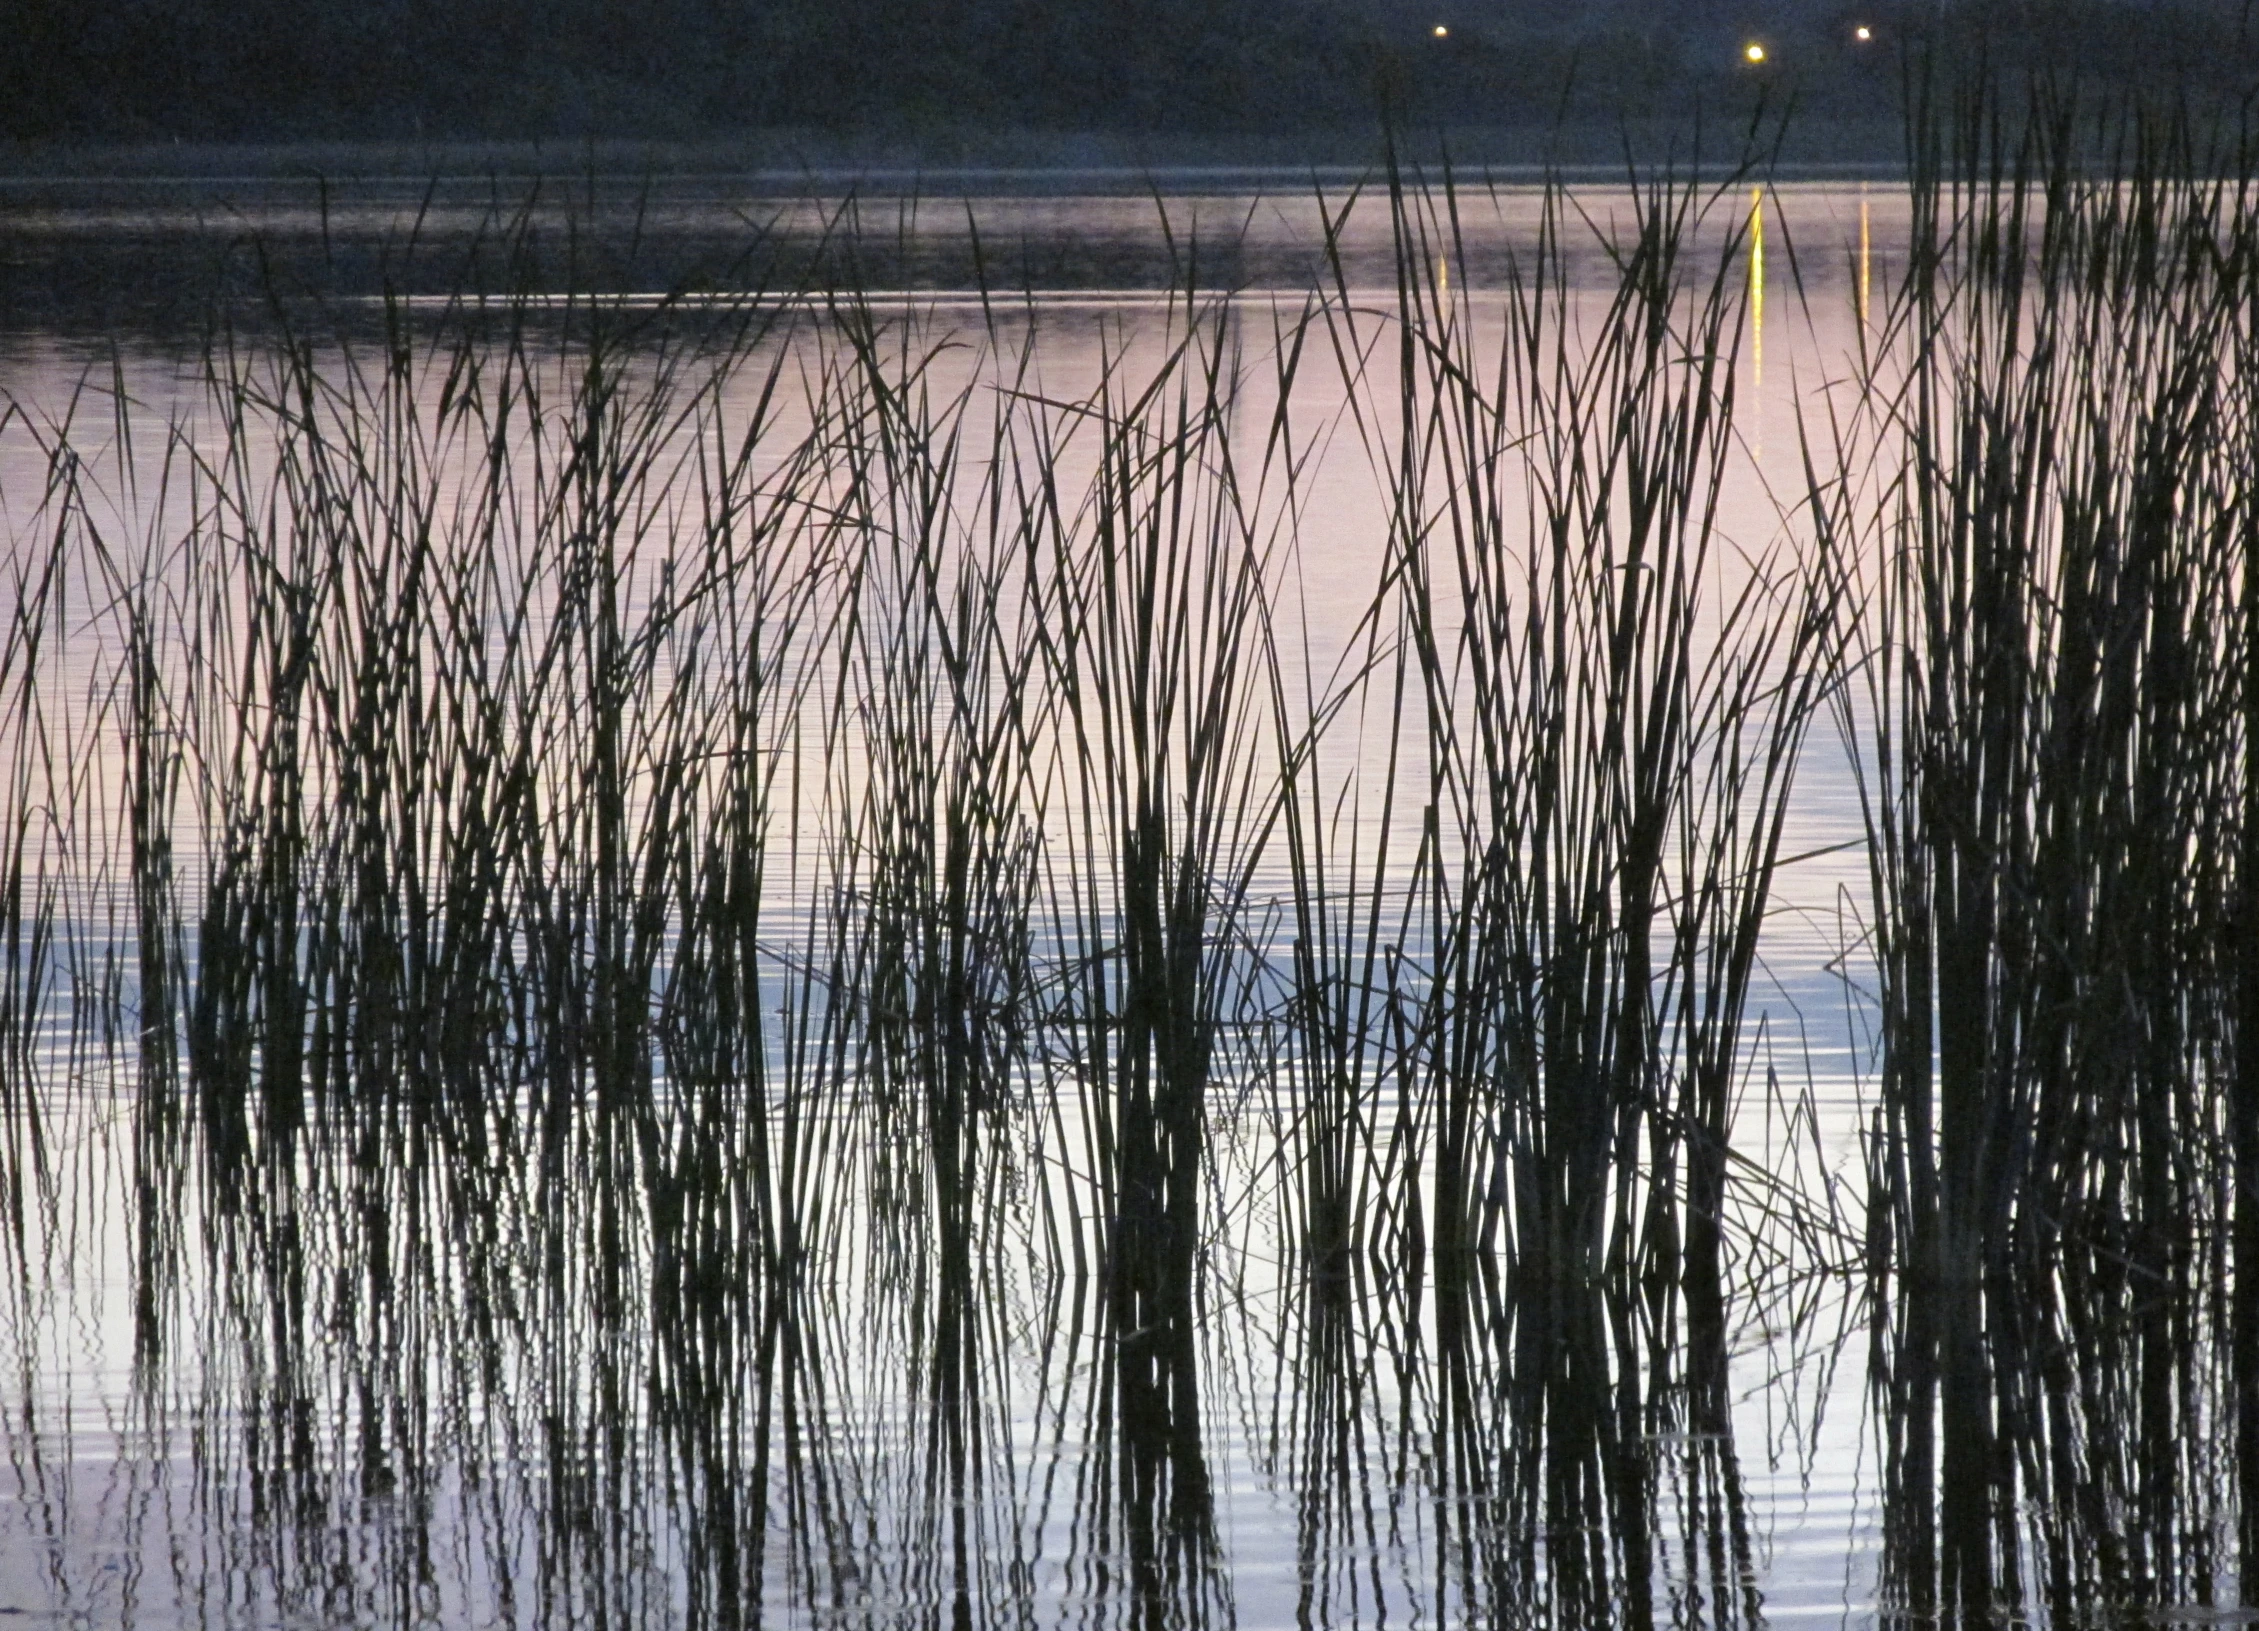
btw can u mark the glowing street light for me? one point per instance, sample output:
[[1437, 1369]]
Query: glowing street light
[[1753, 52], [1441, 32], [1862, 33]]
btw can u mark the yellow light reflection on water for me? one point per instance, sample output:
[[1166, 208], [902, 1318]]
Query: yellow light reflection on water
[[1757, 283], [1756, 419], [1864, 242]]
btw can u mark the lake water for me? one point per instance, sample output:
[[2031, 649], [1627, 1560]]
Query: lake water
[[404, 1364]]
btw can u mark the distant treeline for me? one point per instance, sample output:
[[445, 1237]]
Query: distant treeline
[[136, 70]]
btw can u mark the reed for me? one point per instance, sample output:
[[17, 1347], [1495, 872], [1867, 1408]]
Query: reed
[[707, 875], [2055, 653], [1611, 726]]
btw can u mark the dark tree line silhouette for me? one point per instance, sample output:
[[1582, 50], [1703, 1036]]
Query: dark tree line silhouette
[[266, 69], [207, 68]]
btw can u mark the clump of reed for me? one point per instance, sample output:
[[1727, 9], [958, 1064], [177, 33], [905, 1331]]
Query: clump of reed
[[1610, 714], [693, 869], [1602, 703], [2055, 721]]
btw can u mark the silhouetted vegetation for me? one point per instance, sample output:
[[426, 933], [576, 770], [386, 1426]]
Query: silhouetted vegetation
[[121, 70], [2058, 671], [730, 949]]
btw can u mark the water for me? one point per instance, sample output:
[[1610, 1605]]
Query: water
[[542, 1358]]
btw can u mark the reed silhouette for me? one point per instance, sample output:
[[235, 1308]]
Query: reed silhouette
[[2056, 650], [739, 956]]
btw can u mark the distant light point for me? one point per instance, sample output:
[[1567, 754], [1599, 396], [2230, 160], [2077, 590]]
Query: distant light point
[[1862, 33], [1753, 52], [1441, 32]]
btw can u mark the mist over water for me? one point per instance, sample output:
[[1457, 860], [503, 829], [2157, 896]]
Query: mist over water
[[1064, 907]]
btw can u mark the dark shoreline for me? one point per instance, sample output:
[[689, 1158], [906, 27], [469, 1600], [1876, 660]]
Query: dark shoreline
[[949, 162]]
